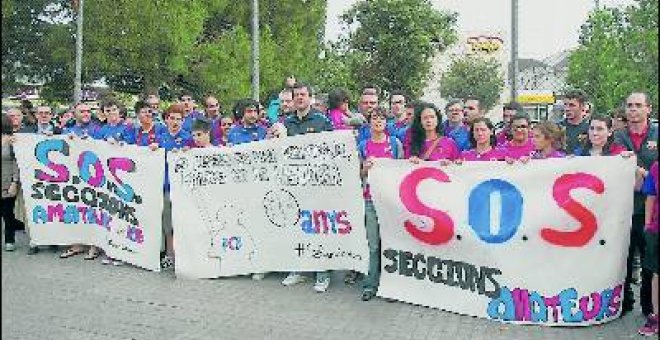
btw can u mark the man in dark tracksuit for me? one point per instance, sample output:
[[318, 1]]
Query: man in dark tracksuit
[[642, 138]]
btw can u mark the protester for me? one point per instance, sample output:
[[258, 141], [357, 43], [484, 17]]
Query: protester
[[472, 109], [601, 139], [641, 137], [521, 144], [482, 136], [651, 207], [213, 110], [508, 111], [220, 131], [247, 130], [306, 120], [548, 141], [173, 138], [426, 142], [84, 126], [201, 134], [114, 129], [380, 145], [454, 127], [16, 119], [43, 126], [576, 123], [146, 132], [10, 184], [619, 119], [339, 113]]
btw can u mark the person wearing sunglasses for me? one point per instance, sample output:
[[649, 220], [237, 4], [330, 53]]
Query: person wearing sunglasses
[[521, 144]]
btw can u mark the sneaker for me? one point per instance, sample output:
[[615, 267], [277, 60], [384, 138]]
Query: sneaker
[[293, 279], [351, 277], [167, 262], [10, 247], [258, 276], [33, 250], [321, 285], [650, 328], [117, 263], [367, 294], [106, 261]]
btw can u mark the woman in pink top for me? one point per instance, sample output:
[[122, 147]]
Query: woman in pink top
[[425, 140], [339, 114], [549, 140], [482, 136], [521, 144]]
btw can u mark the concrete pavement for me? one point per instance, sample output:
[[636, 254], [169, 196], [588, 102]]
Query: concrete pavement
[[44, 297]]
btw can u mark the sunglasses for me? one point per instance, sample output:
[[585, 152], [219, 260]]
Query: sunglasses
[[521, 126]]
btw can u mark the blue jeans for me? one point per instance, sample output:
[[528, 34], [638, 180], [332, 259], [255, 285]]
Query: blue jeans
[[373, 238]]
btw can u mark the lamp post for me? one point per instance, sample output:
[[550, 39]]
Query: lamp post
[[514, 49], [77, 87], [255, 50]]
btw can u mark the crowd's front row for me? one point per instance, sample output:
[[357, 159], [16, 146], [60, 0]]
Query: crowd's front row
[[424, 139]]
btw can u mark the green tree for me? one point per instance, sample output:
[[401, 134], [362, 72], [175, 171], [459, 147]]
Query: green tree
[[473, 76], [37, 44], [397, 39], [618, 54]]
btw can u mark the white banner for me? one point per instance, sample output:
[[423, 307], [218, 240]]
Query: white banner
[[291, 204], [544, 242], [91, 192]]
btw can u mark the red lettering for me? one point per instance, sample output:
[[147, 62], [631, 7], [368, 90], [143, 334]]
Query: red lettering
[[588, 224], [342, 219], [443, 226]]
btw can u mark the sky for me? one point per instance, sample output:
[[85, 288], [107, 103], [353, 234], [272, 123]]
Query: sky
[[545, 27]]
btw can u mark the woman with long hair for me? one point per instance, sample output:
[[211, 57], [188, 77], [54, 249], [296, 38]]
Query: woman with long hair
[[425, 141], [549, 141]]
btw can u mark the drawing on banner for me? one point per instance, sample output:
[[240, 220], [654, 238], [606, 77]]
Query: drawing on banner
[[281, 208], [218, 224]]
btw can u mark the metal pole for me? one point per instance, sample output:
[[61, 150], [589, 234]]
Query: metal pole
[[514, 49], [79, 50], [255, 50], [597, 4]]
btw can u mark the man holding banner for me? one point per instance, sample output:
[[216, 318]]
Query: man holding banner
[[302, 121]]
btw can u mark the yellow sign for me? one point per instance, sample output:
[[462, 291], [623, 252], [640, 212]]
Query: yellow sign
[[536, 98], [484, 44]]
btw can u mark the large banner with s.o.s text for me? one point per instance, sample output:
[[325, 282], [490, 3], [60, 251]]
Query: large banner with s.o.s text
[[544, 242], [94, 193]]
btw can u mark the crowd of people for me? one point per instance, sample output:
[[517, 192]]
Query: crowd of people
[[417, 131]]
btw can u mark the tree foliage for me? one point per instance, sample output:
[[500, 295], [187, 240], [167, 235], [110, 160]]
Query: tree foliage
[[618, 54], [473, 76], [198, 45], [394, 41]]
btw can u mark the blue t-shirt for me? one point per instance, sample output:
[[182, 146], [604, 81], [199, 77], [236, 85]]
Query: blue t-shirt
[[116, 132], [245, 134], [89, 129], [170, 142], [135, 135]]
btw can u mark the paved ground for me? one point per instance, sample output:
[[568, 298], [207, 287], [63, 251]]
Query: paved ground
[[44, 297]]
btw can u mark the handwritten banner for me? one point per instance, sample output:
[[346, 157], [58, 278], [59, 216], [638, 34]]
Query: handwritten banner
[[91, 192], [542, 243], [291, 204]]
